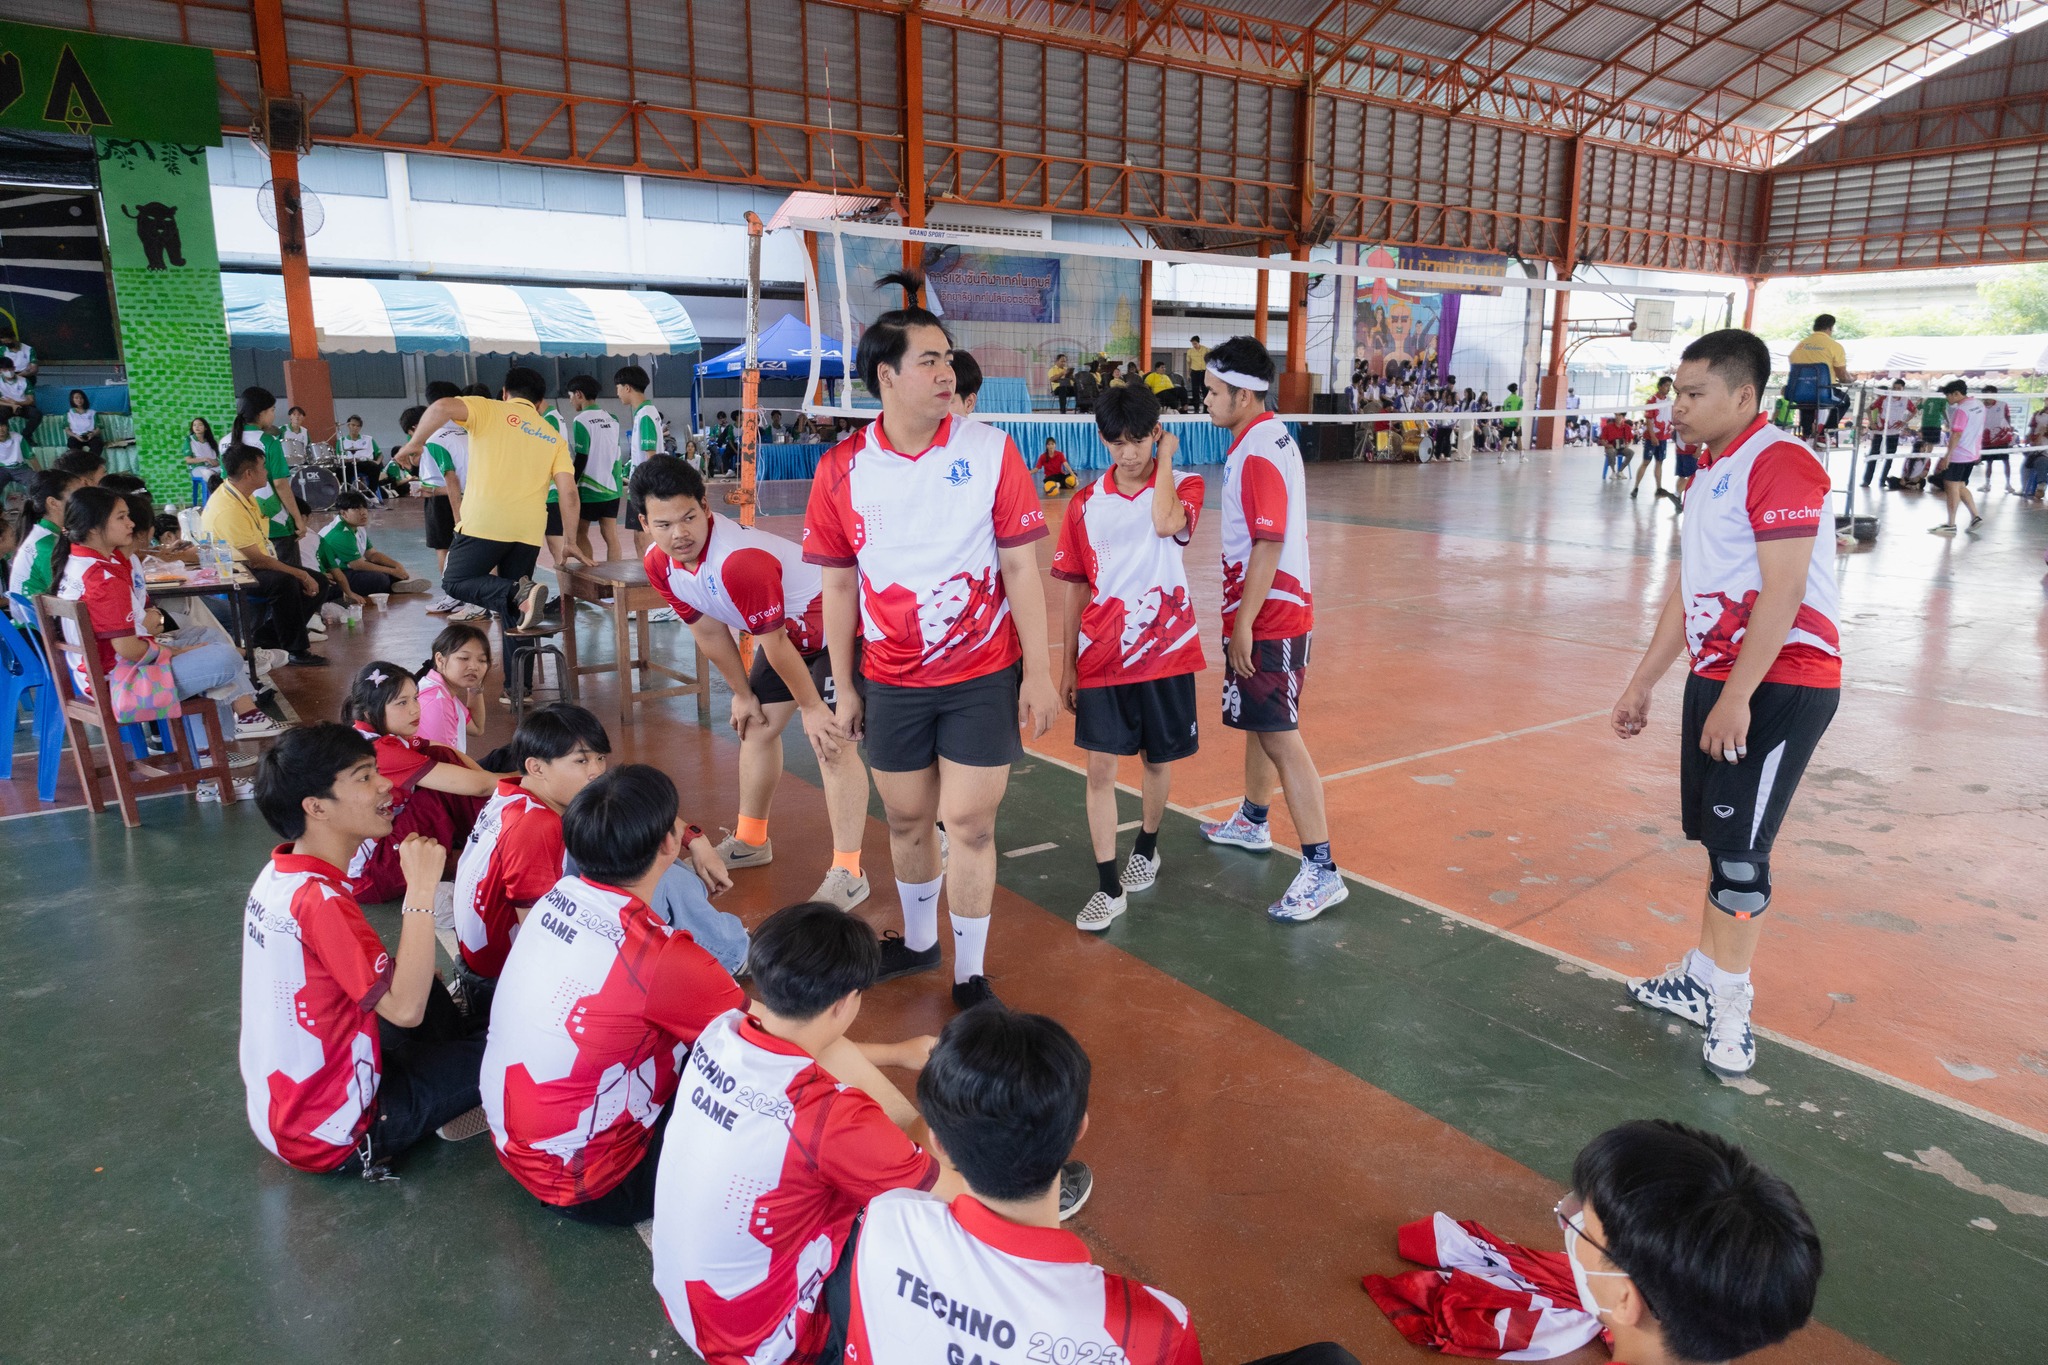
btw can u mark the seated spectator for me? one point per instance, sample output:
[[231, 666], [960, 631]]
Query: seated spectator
[[82, 425], [1053, 470], [346, 556], [1685, 1248], [966, 383], [233, 516], [194, 620], [202, 456], [1059, 378], [1087, 388], [360, 455], [1617, 436], [350, 1053], [1006, 1096], [89, 465], [600, 1005], [39, 523], [820, 1134], [17, 400], [435, 790], [452, 686], [14, 465]]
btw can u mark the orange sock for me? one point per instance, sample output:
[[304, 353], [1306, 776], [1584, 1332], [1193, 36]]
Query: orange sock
[[849, 861], [751, 831]]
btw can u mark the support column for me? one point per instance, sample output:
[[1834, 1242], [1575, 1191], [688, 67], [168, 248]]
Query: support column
[[1295, 384], [1259, 298], [1550, 430], [306, 380], [1749, 303], [1145, 316], [913, 134]]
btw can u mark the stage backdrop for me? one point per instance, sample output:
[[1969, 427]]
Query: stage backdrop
[[1401, 320]]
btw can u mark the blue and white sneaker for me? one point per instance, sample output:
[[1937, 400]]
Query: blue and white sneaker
[[1676, 991], [1731, 1047], [1239, 832], [1315, 889]]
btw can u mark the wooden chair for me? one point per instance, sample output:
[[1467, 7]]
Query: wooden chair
[[131, 777]]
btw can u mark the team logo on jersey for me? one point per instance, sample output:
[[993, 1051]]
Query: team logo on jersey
[[959, 472], [1722, 486]]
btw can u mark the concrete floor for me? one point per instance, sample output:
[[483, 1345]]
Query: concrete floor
[[1271, 1101]]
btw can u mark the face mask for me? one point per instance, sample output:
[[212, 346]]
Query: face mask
[[1582, 1278]]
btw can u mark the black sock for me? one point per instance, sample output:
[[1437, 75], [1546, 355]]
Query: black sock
[[1256, 814], [1106, 880], [1148, 842], [1319, 854]]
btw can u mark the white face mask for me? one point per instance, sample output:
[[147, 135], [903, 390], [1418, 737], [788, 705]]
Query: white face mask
[[1581, 1277]]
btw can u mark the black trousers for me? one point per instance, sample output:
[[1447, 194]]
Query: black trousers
[[486, 573], [285, 608], [631, 1201], [363, 582], [430, 1076]]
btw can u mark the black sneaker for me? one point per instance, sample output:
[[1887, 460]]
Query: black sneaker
[[307, 659], [975, 990], [1077, 1182], [899, 960]]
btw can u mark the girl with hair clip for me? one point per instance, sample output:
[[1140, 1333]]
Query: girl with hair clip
[[435, 790], [452, 686]]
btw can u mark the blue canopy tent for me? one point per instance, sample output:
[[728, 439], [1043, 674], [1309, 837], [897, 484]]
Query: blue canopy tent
[[781, 352]]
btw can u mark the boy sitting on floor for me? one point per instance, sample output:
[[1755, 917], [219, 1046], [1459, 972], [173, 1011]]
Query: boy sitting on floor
[[346, 557], [1054, 471]]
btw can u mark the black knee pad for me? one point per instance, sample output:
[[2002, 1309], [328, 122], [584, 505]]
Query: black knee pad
[[1741, 884]]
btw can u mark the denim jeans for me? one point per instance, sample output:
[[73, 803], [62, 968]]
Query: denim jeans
[[213, 669], [680, 902]]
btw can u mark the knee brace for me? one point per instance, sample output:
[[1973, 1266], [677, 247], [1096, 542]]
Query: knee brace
[[1741, 884]]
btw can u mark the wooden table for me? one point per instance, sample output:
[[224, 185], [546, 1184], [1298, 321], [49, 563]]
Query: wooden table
[[624, 584]]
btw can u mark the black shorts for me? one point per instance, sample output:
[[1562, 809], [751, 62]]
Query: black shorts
[[972, 723], [440, 522], [1955, 473], [1737, 807], [607, 510], [1654, 450], [1686, 465], [1270, 699], [1155, 718], [554, 519], [769, 688]]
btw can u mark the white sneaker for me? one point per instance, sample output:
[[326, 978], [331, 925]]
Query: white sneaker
[[1730, 1048], [1239, 832], [662, 616], [1101, 909], [842, 888], [442, 605], [1676, 991], [1139, 873], [738, 854], [316, 630], [257, 726], [209, 790], [267, 659], [472, 612], [1315, 888]]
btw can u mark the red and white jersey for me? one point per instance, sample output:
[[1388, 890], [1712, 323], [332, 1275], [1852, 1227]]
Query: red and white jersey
[[403, 760], [933, 1282], [924, 530], [513, 858], [1140, 621], [1894, 413], [111, 588], [1265, 497], [1966, 422], [1768, 485], [1998, 433], [312, 973], [597, 1005], [746, 579], [1659, 420], [765, 1163]]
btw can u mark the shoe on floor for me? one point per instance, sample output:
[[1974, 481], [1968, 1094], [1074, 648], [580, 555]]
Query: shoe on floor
[[899, 959], [472, 612], [209, 790], [463, 1127], [975, 990], [1100, 912], [239, 760], [1239, 832], [316, 631], [662, 616], [442, 605], [410, 585], [306, 660], [1077, 1182], [1315, 888], [1675, 991], [1730, 1049], [841, 888], [267, 659], [738, 854], [1941, 530], [256, 725], [1139, 873]]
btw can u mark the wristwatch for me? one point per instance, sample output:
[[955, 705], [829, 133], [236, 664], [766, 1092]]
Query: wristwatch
[[691, 834]]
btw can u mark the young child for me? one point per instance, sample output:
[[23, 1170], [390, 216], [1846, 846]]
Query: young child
[[345, 556], [1133, 647], [1054, 470], [434, 790], [452, 686], [350, 1052]]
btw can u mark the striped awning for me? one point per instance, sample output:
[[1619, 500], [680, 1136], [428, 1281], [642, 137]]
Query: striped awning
[[438, 318]]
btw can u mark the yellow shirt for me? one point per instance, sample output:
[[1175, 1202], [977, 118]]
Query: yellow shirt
[[1157, 382], [514, 456], [234, 517], [1821, 347], [1198, 357]]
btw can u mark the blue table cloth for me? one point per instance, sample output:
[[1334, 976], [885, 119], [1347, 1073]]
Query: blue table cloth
[[1003, 395]]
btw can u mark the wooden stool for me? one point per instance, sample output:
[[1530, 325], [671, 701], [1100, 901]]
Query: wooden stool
[[516, 647]]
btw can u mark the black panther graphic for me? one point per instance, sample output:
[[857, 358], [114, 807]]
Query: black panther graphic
[[156, 226]]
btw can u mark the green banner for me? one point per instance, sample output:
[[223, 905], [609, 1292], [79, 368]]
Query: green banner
[[167, 296], [55, 81]]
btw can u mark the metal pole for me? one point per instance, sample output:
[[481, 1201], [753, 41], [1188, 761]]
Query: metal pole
[[750, 376]]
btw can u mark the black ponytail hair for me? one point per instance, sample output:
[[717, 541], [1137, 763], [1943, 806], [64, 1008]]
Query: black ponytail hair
[[42, 486], [256, 400], [85, 511], [452, 638], [888, 336], [375, 688]]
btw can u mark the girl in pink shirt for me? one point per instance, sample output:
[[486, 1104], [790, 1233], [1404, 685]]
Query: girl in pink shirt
[[451, 687]]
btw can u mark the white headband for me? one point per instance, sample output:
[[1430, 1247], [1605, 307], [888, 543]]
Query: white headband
[[1236, 380]]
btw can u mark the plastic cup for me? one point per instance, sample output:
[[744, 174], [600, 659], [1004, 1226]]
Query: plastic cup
[[381, 599]]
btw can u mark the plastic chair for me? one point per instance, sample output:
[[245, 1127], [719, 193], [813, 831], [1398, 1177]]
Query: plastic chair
[[22, 671], [135, 734]]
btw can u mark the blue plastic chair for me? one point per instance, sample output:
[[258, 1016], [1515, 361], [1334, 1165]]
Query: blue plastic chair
[[22, 670]]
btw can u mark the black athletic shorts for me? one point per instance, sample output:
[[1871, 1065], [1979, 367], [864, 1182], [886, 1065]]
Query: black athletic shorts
[[440, 521], [1155, 718], [1654, 450], [1688, 464], [1955, 473], [1270, 699], [554, 519], [607, 510], [632, 519], [1737, 807], [972, 723], [769, 687]]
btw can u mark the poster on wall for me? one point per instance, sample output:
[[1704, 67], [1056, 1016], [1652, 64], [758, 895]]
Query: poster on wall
[[1405, 328], [985, 286], [53, 280]]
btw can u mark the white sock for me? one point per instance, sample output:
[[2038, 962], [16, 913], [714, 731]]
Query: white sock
[[970, 946], [1704, 970], [920, 901]]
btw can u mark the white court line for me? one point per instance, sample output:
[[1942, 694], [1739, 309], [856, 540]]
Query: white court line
[[1595, 969], [1328, 778], [1027, 852], [1130, 824]]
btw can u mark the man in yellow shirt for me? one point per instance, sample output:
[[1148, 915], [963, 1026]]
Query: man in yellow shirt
[[289, 594], [1820, 348], [1198, 365], [514, 455]]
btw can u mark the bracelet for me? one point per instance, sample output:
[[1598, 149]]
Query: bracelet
[[417, 910]]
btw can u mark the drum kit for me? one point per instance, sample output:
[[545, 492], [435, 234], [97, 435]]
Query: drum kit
[[324, 477]]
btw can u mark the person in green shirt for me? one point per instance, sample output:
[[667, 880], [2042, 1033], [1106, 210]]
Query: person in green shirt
[[41, 522], [558, 546], [361, 456], [1511, 427], [646, 435], [351, 564], [275, 500], [596, 447]]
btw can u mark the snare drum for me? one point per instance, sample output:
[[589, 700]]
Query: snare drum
[[316, 488]]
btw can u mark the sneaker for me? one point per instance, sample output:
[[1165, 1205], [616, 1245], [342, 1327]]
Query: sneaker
[[1730, 1048], [975, 990], [1314, 889], [463, 1127], [209, 790], [1675, 991], [899, 959], [240, 760], [1139, 873], [316, 630], [472, 612], [1975, 522], [410, 585], [1239, 833], [307, 660], [267, 659], [738, 855], [1077, 1182], [442, 605], [841, 888], [256, 725], [333, 613], [535, 603], [662, 616], [1941, 530], [1100, 911]]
